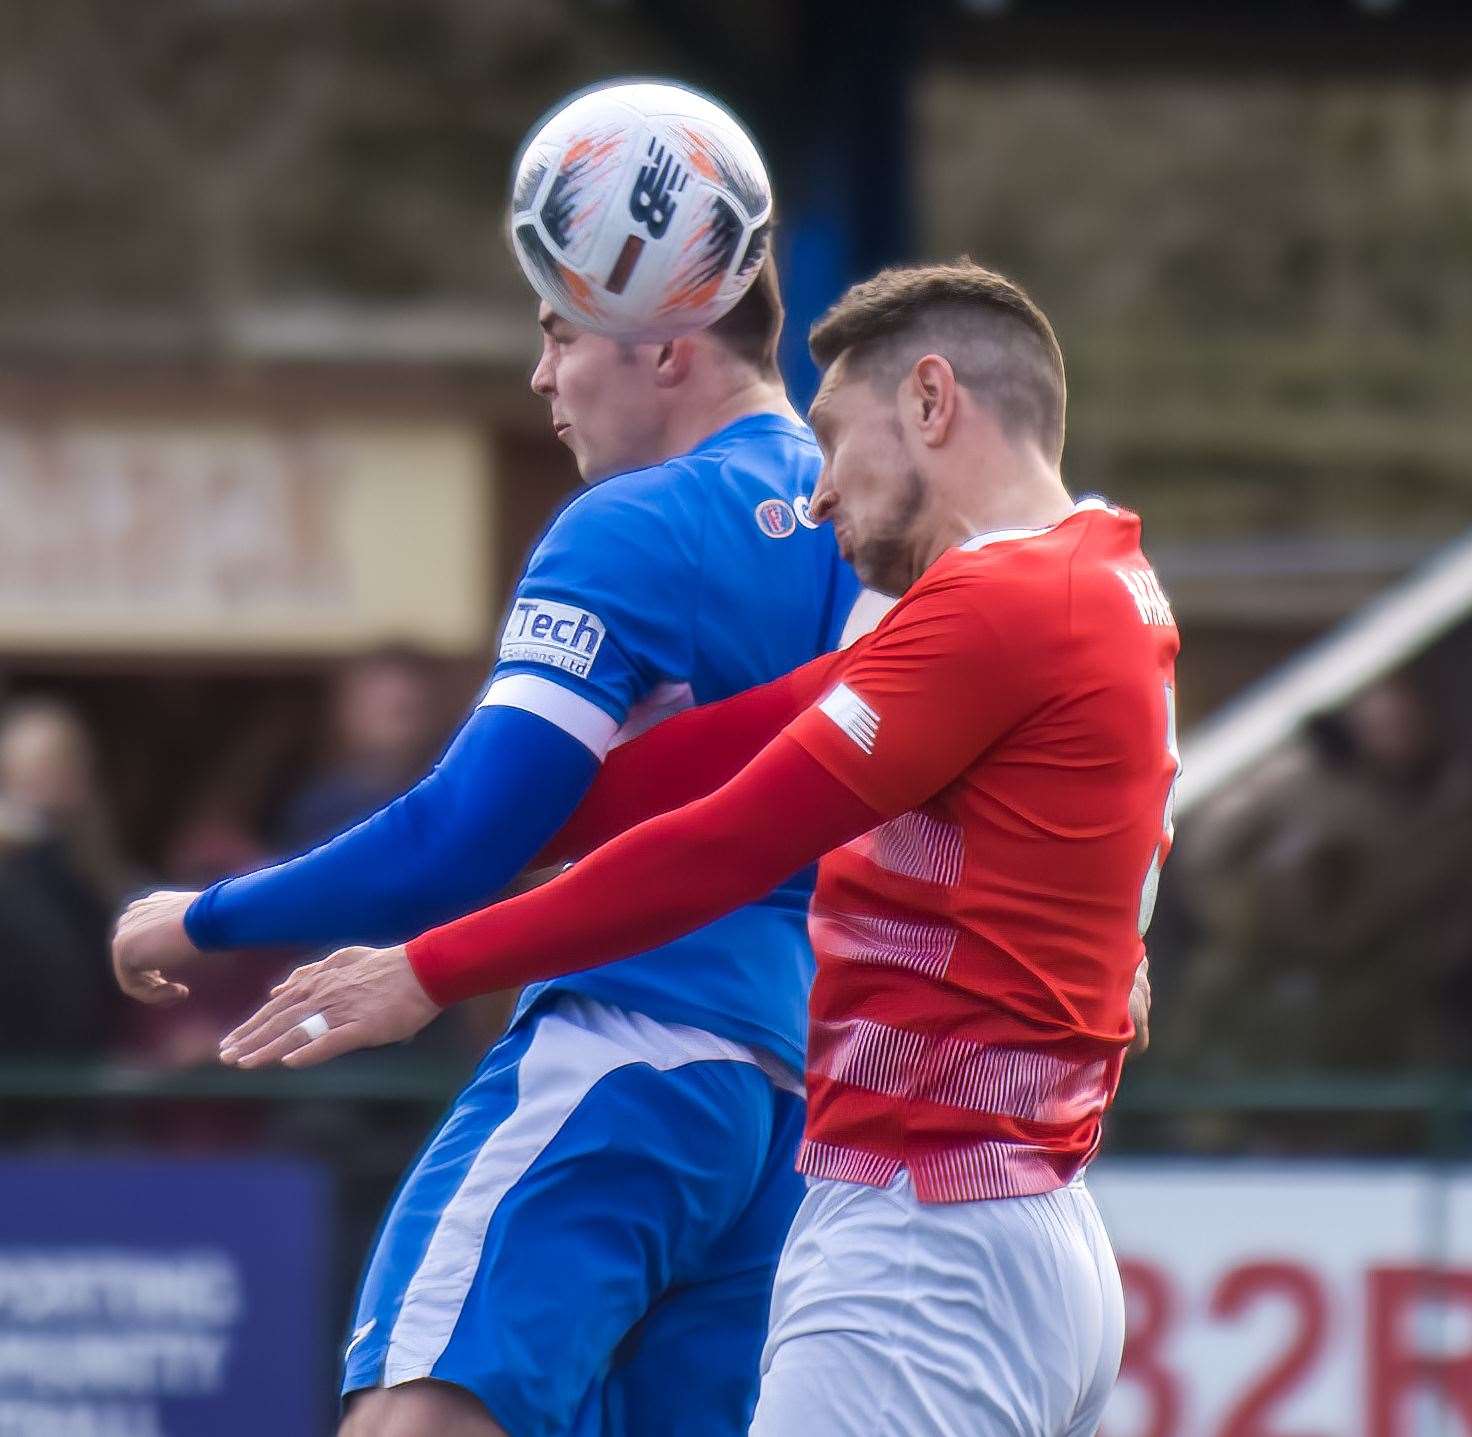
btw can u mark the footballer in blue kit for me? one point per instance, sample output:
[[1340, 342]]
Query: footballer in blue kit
[[586, 1244]]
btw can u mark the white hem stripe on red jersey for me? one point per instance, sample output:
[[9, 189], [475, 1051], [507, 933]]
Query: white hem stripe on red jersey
[[916, 846], [895, 942], [846, 1165], [990, 1169], [1015, 1082], [1004, 1082], [978, 1173], [865, 1055]]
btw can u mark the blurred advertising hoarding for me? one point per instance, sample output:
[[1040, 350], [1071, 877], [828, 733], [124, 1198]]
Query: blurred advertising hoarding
[[1303, 1300], [143, 1298], [242, 537]]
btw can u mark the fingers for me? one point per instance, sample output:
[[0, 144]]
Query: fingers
[[285, 1041], [332, 1044], [149, 942], [293, 1002], [378, 1001], [153, 988], [1140, 1010], [146, 985], [273, 1039], [266, 1035]]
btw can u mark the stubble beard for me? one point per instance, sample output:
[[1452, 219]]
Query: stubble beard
[[884, 559]]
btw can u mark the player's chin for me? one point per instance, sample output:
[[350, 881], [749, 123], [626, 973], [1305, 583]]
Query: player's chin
[[595, 470]]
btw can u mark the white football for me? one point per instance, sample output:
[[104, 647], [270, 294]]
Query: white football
[[640, 210]]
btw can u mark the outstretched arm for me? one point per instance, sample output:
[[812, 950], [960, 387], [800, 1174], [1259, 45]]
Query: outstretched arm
[[666, 877], [908, 716], [687, 757], [508, 781]]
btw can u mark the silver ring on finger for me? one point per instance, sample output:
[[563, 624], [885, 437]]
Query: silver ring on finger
[[315, 1026]]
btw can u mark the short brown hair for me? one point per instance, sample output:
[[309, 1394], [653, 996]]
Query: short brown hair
[[752, 329], [997, 340]]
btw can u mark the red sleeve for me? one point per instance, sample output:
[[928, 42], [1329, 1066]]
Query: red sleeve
[[934, 688], [660, 880], [687, 757]]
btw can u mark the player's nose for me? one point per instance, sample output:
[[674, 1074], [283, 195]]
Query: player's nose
[[824, 500], [543, 381]]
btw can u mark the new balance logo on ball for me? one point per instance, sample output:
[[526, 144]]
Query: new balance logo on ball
[[541, 631], [653, 202], [853, 716]]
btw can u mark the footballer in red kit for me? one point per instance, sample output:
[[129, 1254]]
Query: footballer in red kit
[[1011, 722], [988, 780]]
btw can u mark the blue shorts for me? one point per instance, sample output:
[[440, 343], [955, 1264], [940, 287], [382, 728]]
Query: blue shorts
[[588, 1242]]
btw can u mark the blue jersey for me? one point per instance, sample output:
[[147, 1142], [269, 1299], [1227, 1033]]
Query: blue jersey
[[670, 586]]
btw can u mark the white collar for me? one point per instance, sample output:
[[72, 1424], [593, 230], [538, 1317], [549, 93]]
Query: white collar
[[998, 536]]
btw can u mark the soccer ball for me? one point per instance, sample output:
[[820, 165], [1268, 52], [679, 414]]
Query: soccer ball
[[640, 211]]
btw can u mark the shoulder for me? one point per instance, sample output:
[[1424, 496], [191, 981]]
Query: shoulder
[[1042, 570], [638, 500], [622, 525], [974, 603], [968, 581], [947, 610]]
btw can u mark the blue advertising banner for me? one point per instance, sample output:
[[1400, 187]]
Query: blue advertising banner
[[145, 1298]]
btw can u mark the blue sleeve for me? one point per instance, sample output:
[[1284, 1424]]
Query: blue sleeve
[[605, 607], [508, 782]]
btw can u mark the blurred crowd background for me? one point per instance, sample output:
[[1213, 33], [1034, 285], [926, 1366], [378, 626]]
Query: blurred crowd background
[[269, 464]]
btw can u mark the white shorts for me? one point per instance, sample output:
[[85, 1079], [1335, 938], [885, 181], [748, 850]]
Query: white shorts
[[896, 1318]]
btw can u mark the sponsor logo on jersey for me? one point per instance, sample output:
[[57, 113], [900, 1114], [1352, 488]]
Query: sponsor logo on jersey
[[541, 631], [774, 517], [853, 716], [802, 506]]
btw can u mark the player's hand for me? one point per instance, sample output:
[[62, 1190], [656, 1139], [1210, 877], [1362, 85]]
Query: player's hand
[[150, 948], [1140, 1010], [354, 998]]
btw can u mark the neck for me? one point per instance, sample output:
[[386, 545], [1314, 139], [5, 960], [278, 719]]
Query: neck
[[1021, 489], [698, 420]]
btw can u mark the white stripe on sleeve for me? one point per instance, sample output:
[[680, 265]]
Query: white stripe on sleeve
[[572, 713]]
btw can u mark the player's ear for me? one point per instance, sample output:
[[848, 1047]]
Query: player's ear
[[672, 362], [931, 399]]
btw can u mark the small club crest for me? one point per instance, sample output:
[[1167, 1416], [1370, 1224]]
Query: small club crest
[[775, 518]]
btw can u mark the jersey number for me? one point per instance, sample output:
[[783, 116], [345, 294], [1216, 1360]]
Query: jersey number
[[1151, 889]]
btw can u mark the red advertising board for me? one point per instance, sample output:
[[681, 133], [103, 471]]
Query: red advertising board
[[1304, 1300]]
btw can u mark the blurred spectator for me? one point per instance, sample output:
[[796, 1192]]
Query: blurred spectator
[[1330, 887], [61, 877], [387, 723]]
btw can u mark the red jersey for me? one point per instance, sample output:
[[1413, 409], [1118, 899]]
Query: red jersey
[[1012, 717]]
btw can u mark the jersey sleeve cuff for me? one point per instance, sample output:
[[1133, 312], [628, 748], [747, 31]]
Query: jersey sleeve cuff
[[440, 975], [576, 716], [198, 927]]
